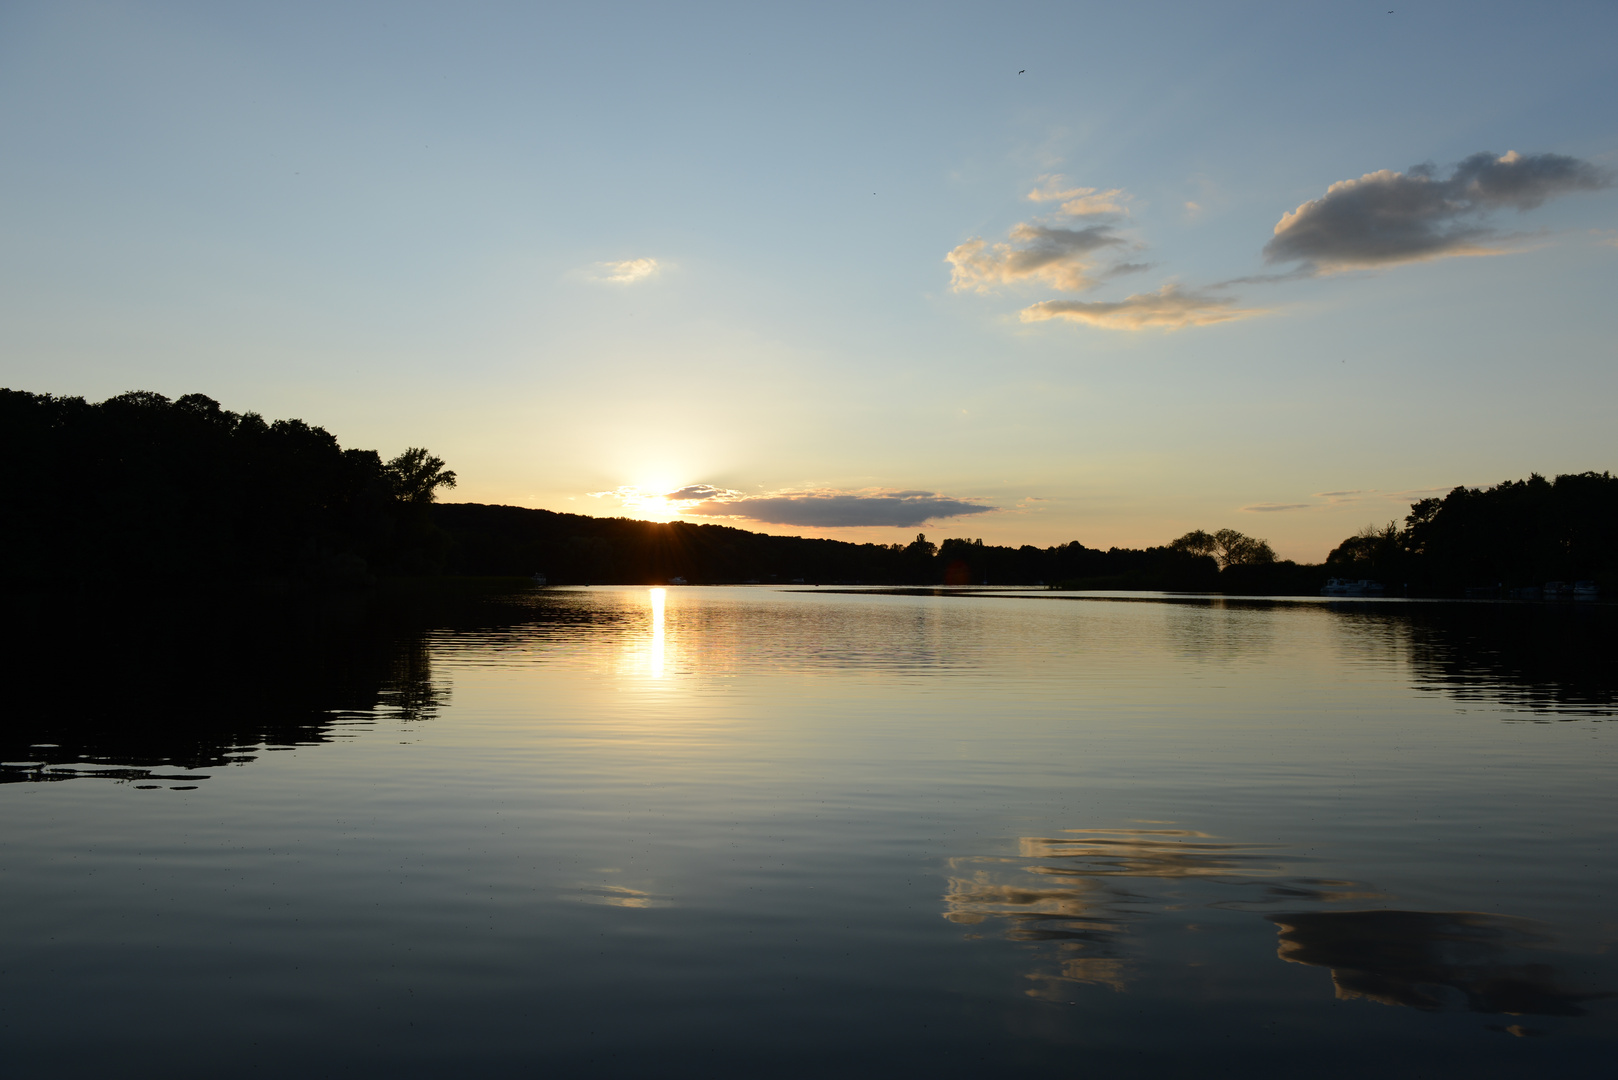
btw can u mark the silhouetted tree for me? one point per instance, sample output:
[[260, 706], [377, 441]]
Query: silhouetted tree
[[417, 475], [1228, 546]]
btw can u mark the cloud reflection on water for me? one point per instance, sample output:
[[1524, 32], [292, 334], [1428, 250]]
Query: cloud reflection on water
[[1411, 958], [1075, 897], [1090, 907]]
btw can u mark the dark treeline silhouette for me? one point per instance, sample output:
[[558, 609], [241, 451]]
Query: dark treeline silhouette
[[141, 487], [1518, 534], [572, 548]]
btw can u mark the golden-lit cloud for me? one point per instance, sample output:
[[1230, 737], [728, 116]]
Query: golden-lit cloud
[[1386, 217], [1169, 308], [626, 272], [1064, 259], [1079, 201]]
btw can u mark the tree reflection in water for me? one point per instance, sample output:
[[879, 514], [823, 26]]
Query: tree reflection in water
[[149, 690], [1544, 659]]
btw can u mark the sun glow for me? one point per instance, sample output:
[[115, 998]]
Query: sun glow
[[644, 500]]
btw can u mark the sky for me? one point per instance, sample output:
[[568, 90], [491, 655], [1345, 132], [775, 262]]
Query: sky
[[1030, 273]]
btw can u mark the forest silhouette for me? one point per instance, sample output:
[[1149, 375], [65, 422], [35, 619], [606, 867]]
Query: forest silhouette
[[146, 490]]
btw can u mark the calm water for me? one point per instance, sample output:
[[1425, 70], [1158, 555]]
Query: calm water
[[760, 832]]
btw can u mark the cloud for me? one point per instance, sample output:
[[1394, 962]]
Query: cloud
[[1050, 189], [1169, 308], [1062, 258], [838, 509], [624, 273], [698, 492], [1385, 217], [1079, 201], [1336, 499]]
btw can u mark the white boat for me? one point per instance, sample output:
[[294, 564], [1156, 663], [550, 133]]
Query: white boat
[[1345, 587]]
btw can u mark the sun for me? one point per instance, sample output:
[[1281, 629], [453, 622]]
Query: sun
[[644, 498]]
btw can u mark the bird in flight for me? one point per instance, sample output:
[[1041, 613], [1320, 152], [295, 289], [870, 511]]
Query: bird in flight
[[1025, 69]]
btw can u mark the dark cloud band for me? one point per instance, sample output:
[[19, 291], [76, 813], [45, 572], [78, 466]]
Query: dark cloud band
[[1388, 217], [838, 510]]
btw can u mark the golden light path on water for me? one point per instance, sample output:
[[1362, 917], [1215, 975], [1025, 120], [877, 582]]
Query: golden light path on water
[[655, 658]]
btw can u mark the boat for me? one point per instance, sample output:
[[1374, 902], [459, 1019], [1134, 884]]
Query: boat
[[1345, 587]]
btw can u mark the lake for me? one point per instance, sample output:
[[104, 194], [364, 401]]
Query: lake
[[805, 832]]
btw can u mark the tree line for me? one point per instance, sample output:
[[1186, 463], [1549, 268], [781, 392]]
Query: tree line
[[1515, 534], [573, 548], [141, 488]]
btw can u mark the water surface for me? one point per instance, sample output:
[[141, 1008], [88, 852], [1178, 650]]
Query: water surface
[[749, 831]]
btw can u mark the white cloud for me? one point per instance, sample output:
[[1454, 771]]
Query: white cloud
[[624, 273]]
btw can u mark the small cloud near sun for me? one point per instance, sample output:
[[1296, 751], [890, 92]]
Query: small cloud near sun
[[828, 508], [825, 508], [626, 272], [699, 492]]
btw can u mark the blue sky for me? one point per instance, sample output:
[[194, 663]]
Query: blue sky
[[597, 256]]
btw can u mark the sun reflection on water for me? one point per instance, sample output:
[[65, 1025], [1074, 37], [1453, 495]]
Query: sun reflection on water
[[655, 657]]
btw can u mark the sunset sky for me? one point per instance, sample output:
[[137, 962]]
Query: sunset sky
[[1031, 273]]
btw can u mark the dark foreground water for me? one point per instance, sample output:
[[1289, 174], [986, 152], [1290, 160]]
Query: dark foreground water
[[748, 832]]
